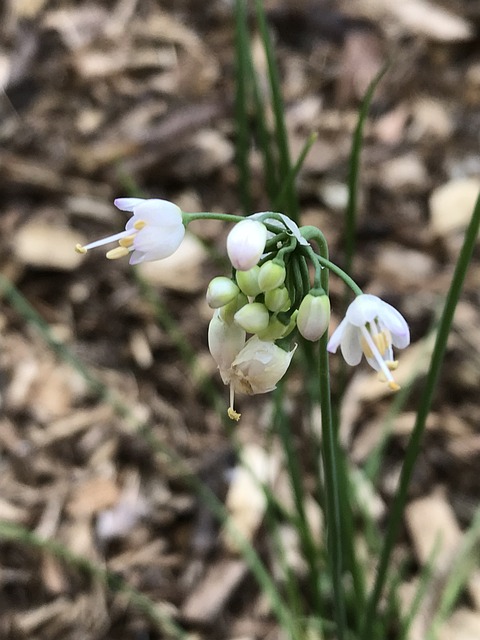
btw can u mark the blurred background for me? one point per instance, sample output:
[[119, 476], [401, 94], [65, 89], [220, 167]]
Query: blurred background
[[136, 97]]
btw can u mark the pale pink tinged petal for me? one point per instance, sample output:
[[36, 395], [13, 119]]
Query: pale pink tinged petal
[[137, 257], [127, 204], [336, 336], [156, 245], [159, 212], [350, 345]]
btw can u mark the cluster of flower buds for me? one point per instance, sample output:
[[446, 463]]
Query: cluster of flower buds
[[269, 295], [262, 298]]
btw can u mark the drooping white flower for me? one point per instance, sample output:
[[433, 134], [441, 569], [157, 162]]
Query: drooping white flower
[[154, 231], [257, 368], [246, 243], [225, 340], [371, 327]]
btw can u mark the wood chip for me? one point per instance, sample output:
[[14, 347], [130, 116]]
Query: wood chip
[[207, 600], [451, 205]]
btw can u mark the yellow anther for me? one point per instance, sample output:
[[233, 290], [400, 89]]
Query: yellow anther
[[126, 242], [233, 415], [392, 364], [393, 385], [139, 224], [80, 249], [118, 252]]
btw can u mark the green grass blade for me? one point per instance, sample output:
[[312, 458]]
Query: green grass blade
[[354, 170], [413, 446], [242, 49], [157, 614], [285, 167]]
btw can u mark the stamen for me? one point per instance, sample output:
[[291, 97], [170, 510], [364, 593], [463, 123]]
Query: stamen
[[118, 252], [378, 357], [80, 249], [126, 242], [139, 224], [393, 385], [392, 364], [108, 239], [232, 414]]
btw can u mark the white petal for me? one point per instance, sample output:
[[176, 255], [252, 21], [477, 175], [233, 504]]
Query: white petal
[[336, 336], [365, 308], [350, 345], [156, 245], [159, 213], [245, 244], [396, 324], [127, 204]]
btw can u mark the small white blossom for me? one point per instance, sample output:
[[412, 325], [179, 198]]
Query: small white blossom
[[371, 327], [225, 340], [246, 243], [155, 231], [257, 368]]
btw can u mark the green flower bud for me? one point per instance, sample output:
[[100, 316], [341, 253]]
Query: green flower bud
[[228, 311], [277, 329], [313, 316], [253, 317], [221, 291], [272, 275], [277, 300], [248, 281]]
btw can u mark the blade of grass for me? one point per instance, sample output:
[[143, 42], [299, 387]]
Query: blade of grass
[[413, 446], [242, 47], [354, 169], [291, 201], [289, 181], [466, 562], [157, 613]]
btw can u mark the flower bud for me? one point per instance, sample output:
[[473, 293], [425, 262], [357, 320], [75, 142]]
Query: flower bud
[[248, 281], [221, 291], [277, 300], [253, 317], [271, 275], [229, 310], [224, 341], [313, 316], [246, 243], [277, 329]]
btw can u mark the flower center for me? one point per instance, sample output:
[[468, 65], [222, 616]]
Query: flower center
[[377, 345]]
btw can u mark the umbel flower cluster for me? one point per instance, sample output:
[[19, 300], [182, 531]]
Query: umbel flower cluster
[[269, 296]]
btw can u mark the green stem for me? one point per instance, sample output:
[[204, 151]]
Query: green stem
[[331, 469], [208, 215], [413, 447]]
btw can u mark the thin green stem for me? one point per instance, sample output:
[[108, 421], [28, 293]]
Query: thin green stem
[[331, 470], [413, 446]]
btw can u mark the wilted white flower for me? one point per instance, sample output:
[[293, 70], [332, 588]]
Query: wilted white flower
[[154, 231], [246, 243], [225, 340], [257, 368], [371, 327]]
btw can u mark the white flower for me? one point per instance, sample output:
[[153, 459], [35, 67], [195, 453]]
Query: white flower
[[246, 243], [154, 231], [257, 368], [371, 327], [225, 340], [313, 316]]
